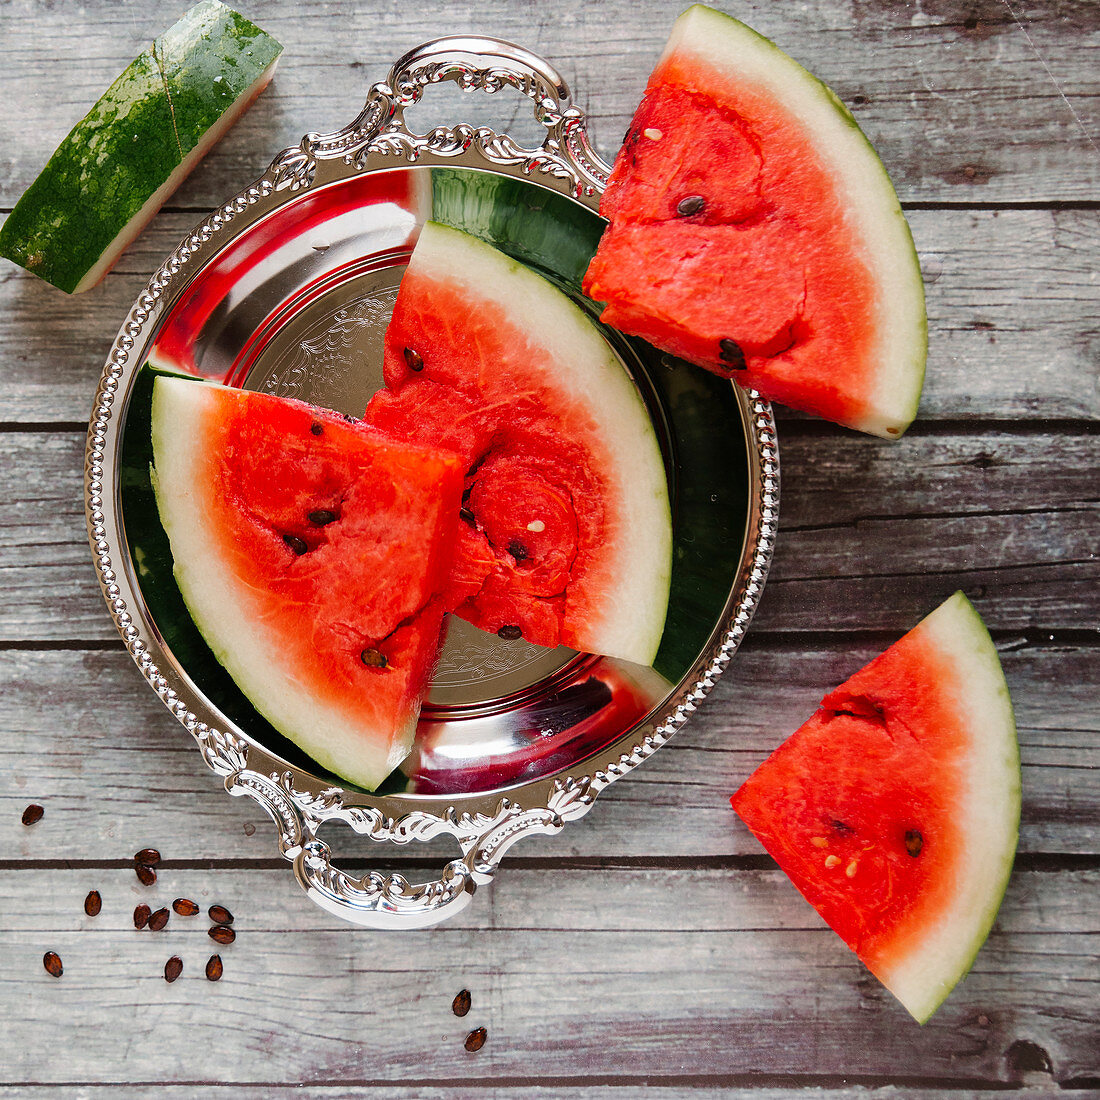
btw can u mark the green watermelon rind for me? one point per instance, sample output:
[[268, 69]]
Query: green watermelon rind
[[155, 122], [724, 43], [631, 623], [344, 745], [991, 822]]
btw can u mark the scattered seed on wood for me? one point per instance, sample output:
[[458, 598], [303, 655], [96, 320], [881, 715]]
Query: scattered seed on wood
[[691, 204], [461, 1004], [147, 857], [146, 875], [173, 968], [517, 550], [93, 903], [142, 913], [476, 1039], [185, 907], [322, 517], [510, 633], [914, 842], [316, 428], [222, 933], [219, 914], [214, 968], [52, 962], [729, 351], [299, 546], [373, 658], [158, 919], [249, 828], [33, 814], [413, 360]]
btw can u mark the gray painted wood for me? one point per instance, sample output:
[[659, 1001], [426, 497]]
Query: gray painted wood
[[650, 948]]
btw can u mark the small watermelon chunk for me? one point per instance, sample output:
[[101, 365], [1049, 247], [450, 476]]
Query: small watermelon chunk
[[567, 537], [150, 128], [895, 809], [312, 554], [755, 232]]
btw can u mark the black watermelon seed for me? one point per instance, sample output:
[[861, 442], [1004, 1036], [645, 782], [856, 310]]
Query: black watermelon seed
[[33, 814], [373, 658], [146, 875], [173, 968], [185, 907], [222, 933], [461, 1004], [93, 903], [322, 517], [52, 962], [476, 1039], [142, 913], [914, 842], [219, 914], [731, 354], [466, 516], [517, 550], [158, 920], [296, 544], [147, 857], [316, 428], [510, 633], [413, 360], [214, 968], [691, 204]]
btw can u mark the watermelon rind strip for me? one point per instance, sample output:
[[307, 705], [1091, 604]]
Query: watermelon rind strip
[[154, 123]]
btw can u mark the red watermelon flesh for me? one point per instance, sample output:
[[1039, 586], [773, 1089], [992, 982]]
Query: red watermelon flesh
[[894, 810], [313, 554], [755, 232], [567, 535]]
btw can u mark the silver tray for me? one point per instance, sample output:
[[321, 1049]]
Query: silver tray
[[287, 288]]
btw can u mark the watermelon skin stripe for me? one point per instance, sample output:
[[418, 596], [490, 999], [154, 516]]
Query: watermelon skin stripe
[[136, 145]]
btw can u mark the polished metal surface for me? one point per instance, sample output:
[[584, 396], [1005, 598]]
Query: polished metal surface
[[288, 288]]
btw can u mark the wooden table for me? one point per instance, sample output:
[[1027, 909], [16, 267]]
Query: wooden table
[[650, 948]]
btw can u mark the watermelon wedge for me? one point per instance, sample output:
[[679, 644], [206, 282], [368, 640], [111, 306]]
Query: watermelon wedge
[[755, 232], [895, 809], [312, 554], [150, 128], [567, 534]]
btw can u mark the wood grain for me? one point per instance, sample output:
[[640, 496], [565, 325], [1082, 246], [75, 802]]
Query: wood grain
[[708, 973]]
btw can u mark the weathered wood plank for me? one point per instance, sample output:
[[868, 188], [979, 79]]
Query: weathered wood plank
[[873, 535], [706, 973], [81, 735], [1012, 306], [971, 101], [723, 1087]]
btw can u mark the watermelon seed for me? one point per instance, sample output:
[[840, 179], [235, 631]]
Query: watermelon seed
[[850, 870], [32, 814], [537, 526], [142, 913], [510, 633], [173, 968], [413, 360], [914, 842], [466, 516], [93, 903], [214, 968], [842, 826], [158, 920], [52, 962], [219, 914], [296, 544], [653, 133], [322, 517], [146, 875], [316, 428], [147, 857], [691, 204], [832, 861], [373, 658], [819, 841], [731, 354], [222, 933], [476, 1039], [517, 550], [461, 1004]]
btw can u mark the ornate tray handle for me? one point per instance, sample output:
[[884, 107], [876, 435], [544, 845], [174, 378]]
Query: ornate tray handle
[[475, 63]]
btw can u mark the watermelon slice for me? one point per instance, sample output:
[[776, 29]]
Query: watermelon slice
[[895, 808], [754, 231], [135, 146], [567, 538], [312, 554]]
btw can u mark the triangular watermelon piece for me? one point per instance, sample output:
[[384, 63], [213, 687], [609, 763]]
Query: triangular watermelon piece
[[312, 554], [895, 808], [754, 232], [567, 537]]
